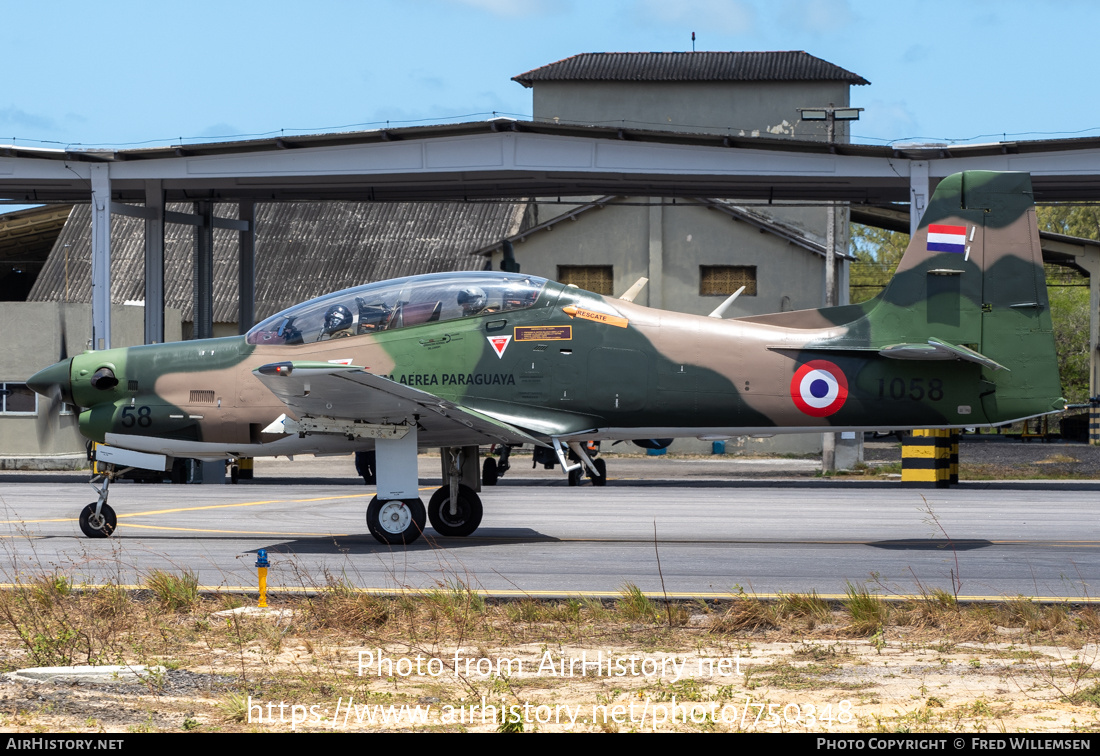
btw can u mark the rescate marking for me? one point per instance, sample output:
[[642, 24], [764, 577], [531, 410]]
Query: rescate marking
[[819, 388], [600, 317]]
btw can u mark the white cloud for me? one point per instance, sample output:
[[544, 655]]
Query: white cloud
[[516, 8], [818, 15], [916, 53], [220, 129], [13, 116], [720, 16], [888, 120]]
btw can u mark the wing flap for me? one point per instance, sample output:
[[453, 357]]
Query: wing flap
[[347, 392]]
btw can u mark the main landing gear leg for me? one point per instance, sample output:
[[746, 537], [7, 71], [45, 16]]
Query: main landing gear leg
[[455, 509], [98, 520], [396, 515]]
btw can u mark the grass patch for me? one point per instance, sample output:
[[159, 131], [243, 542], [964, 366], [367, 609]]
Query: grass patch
[[746, 612], [803, 605], [175, 593], [635, 605], [867, 611]]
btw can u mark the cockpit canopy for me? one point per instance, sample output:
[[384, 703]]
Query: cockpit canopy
[[399, 303]]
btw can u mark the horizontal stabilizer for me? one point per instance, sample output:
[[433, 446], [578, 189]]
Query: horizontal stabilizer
[[938, 349], [933, 349]]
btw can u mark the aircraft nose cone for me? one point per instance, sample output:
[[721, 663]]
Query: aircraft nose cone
[[55, 375]]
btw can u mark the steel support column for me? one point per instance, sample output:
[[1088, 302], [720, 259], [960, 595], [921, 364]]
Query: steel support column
[[918, 193], [246, 281], [203, 314], [101, 256], [1090, 261], [154, 262], [656, 287]]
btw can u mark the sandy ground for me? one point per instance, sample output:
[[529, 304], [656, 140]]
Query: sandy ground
[[690, 679]]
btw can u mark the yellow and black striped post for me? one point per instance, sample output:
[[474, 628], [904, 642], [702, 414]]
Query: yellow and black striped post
[[926, 458], [1094, 426], [953, 470]]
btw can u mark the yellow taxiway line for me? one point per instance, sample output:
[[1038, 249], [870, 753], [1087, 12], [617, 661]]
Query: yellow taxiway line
[[213, 506], [564, 595]]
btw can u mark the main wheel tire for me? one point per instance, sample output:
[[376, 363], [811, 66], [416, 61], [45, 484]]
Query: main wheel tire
[[464, 521], [575, 477], [601, 468], [99, 526], [489, 472], [396, 521]]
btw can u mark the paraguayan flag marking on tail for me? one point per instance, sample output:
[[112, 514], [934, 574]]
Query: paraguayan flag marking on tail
[[943, 238]]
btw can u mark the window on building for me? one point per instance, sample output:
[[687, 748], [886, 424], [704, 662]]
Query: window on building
[[17, 399], [723, 280], [595, 278]]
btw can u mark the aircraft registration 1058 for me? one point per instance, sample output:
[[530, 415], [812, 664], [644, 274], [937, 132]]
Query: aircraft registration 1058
[[961, 336]]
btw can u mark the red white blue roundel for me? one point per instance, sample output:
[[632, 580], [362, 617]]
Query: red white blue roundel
[[819, 388]]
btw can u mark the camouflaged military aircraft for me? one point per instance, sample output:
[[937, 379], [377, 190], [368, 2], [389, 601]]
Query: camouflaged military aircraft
[[961, 336]]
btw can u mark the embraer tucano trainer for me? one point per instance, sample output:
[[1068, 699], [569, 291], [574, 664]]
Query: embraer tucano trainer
[[961, 336]]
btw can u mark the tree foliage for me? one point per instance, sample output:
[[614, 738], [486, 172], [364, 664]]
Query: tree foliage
[[1080, 220], [1069, 298], [877, 253]]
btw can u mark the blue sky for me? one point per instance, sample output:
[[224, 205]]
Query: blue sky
[[126, 74]]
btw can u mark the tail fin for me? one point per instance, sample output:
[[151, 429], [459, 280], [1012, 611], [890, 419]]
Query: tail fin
[[971, 286]]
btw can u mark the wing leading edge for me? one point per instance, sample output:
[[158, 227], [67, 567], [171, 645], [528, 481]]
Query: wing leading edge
[[341, 396]]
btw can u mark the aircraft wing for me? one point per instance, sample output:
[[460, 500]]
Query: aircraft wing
[[349, 393]]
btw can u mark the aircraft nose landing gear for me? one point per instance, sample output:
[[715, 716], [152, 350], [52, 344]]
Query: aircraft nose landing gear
[[98, 520]]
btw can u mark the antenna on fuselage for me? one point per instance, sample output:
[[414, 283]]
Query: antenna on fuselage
[[720, 310], [629, 294]]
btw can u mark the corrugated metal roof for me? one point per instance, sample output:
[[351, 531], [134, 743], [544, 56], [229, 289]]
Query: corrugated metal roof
[[691, 66], [303, 250]]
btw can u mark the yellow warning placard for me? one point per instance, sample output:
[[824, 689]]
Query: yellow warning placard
[[544, 333]]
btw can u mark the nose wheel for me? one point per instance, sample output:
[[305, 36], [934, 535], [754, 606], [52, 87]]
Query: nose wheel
[[98, 520], [397, 521]]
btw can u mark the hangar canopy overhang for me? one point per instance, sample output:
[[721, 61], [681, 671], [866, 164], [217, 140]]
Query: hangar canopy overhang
[[492, 160], [498, 159]]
